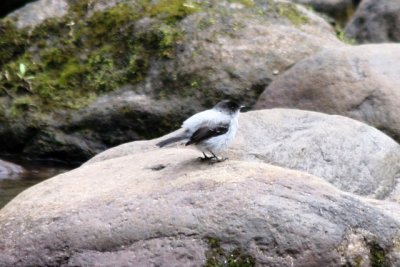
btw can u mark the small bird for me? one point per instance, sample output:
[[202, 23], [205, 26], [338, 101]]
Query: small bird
[[211, 131]]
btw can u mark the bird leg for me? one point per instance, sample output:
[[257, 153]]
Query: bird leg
[[205, 157], [216, 158]]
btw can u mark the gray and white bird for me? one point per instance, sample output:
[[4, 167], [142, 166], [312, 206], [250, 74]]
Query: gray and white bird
[[211, 131]]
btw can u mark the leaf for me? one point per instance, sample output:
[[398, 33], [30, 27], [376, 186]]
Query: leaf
[[30, 78], [22, 69]]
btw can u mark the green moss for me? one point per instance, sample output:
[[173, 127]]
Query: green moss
[[378, 256], [289, 11], [22, 104], [12, 41], [80, 7], [342, 36], [53, 57], [172, 10], [194, 84], [246, 3], [358, 261], [71, 73], [217, 257], [206, 22], [74, 60], [168, 36]]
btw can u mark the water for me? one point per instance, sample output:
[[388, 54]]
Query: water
[[36, 171]]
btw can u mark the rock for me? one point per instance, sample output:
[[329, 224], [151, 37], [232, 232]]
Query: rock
[[9, 170], [360, 82], [237, 62], [126, 212], [35, 13], [340, 10], [352, 156], [180, 63], [375, 21]]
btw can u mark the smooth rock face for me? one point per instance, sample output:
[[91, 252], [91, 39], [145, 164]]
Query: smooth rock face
[[10, 170], [351, 155], [35, 13], [166, 208], [375, 21], [360, 82]]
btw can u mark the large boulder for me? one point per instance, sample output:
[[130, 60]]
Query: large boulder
[[166, 208], [375, 21], [85, 75], [349, 154], [360, 82]]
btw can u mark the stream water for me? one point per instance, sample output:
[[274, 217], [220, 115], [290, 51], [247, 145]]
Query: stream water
[[36, 171]]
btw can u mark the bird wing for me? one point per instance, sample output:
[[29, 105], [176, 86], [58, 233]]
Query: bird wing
[[210, 118], [206, 132]]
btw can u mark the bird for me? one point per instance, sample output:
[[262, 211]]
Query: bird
[[211, 131]]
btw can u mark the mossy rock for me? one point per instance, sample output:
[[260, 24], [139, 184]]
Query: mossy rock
[[191, 53]]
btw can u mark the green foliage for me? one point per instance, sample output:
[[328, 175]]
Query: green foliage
[[16, 78], [218, 257]]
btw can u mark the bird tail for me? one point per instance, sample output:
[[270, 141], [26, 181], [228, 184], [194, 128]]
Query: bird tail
[[171, 140]]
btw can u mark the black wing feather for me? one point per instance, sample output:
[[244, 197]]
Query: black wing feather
[[206, 132]]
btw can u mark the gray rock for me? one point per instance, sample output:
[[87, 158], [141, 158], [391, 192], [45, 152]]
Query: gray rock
[[351, 155], [375, 21], [35, 13], [238, 61], [125, 212], [360, 82]]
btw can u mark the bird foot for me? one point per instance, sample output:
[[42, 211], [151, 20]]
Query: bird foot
[[205, 158], [213, 159]]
